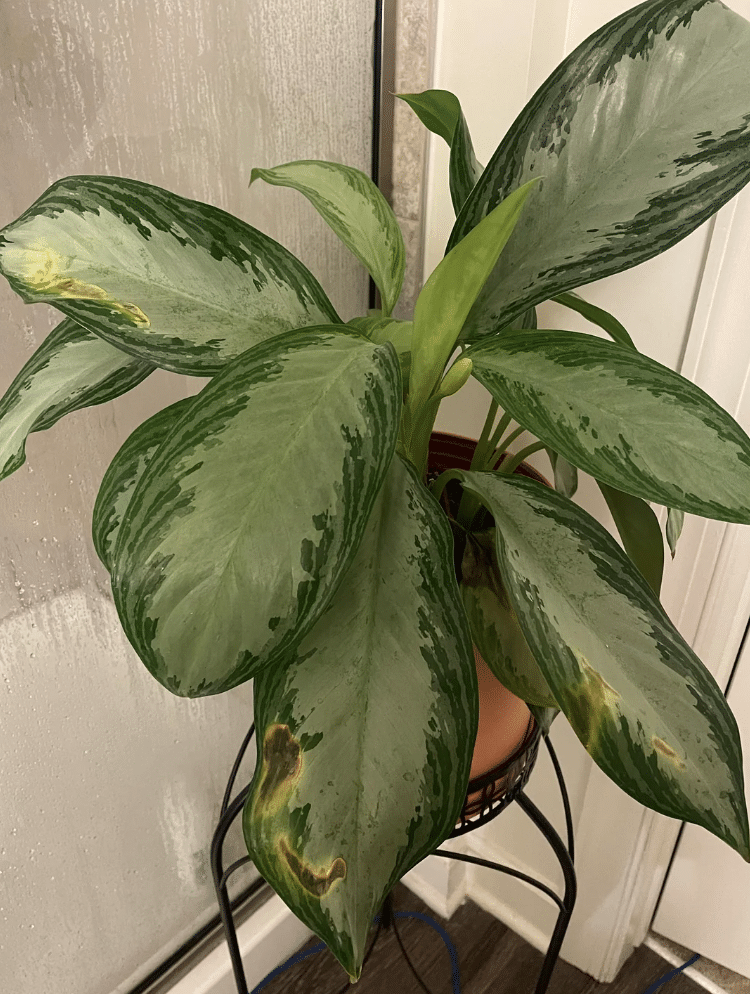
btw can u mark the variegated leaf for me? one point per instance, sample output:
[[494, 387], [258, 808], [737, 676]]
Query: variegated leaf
[[251, 510], [440, 111], [647, 710], [494, 625], [71, 369], [365, 734], [125, 470], [641, 134], [356, 210], [175, 282], [640, 533], [627, 420]]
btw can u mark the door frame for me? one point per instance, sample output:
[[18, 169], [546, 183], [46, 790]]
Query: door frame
[[709, 601]]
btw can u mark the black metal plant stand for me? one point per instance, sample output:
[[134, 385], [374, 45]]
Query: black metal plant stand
[[486, 797]]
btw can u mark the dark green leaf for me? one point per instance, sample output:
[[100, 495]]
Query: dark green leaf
[[640, 533], [596, 315]]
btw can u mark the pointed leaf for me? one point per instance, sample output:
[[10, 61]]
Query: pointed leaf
[[675, 520], [125, 470], [627, 420], [381, 330], [647, 710], [448, 294], [596, 315], [365, 735], [494, 626], [641, 134], [175, 282], [70, 370], [356, 210], [440, 111], [640, 533], [566, 474], [251, 510]]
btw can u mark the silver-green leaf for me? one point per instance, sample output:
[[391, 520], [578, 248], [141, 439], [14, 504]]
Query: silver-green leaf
[[624, 418], [250, 511], [177, 283], [125, 470], [641, 134], [365, 734], [647, 710], [356, 210], [70, 370]]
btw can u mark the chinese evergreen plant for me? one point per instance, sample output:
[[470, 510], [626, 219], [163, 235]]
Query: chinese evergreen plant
[[278, 526]]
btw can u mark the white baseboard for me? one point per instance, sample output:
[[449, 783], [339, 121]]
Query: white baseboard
[[267, 938], [440, 883], [653, 943], [516, 904]]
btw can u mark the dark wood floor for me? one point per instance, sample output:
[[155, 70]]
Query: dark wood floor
[[492, 960]]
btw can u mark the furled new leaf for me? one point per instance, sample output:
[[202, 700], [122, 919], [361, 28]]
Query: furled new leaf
[[177, 283], [565, 473], [640, 533], [365, 733], [356, 210], [675, 521], [252, 508], [641, 134], [624, 418], [125, 470], [494, 626], [448, 294], [440, 111], [71, 369], [644, 706]]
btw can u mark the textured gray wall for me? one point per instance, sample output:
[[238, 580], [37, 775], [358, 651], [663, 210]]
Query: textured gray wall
[[413, 71], [111, 785]]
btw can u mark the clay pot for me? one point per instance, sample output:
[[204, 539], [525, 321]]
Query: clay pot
[[503, 718]]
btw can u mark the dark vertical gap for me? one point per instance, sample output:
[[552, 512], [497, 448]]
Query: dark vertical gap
[[383, 86], [745, 641], [377, 103]]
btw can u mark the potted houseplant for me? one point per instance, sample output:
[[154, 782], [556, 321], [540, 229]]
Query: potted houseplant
[[279, 525]]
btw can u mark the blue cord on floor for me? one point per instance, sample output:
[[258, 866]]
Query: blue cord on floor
[[396, 914], [672, 973]]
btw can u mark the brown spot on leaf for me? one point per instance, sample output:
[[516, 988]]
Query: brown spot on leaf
[[282, 759], [667, 751], [317, 884], [591, 704]]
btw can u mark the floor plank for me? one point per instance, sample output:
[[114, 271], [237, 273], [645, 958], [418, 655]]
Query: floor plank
[[492, 960]]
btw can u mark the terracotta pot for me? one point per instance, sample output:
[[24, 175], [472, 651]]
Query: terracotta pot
[[503, 717]]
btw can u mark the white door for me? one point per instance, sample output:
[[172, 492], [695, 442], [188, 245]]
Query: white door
[[706, 901]]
